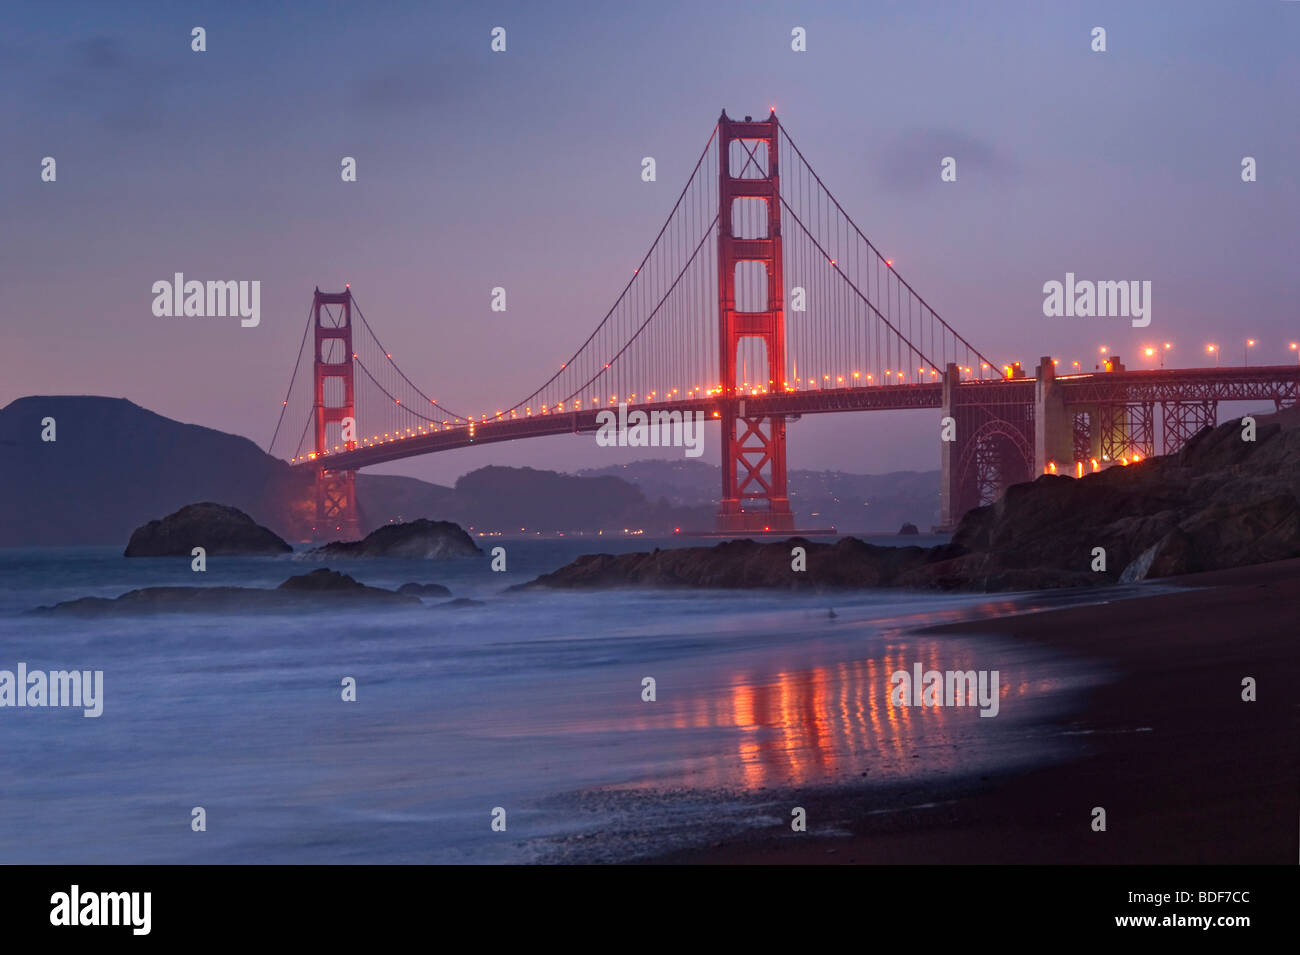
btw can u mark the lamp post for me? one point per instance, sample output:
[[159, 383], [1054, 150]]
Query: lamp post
[[1214, 350], [1250, 343]]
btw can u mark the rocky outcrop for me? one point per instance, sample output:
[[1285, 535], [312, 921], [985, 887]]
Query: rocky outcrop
[[847, 563], [420, 540], [908, 530], [1221, 502], [218, 529], [321, 589]]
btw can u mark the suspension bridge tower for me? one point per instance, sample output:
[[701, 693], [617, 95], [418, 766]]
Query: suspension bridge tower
[[334, 404], [754, 493]]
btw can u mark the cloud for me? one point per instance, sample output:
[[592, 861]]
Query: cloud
[[126, 93], [419, 85], [911, 160]]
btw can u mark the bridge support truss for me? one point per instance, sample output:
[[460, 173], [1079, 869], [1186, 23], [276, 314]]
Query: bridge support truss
[[754, 493], [337, 515], [994, 441]]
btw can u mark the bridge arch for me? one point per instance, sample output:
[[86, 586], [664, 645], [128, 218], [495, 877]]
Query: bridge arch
[[996, 456]]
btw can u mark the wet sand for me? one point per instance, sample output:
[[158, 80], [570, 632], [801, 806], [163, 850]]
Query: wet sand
[[1213, 780]]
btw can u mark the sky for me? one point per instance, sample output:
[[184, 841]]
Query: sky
[[522, 169]]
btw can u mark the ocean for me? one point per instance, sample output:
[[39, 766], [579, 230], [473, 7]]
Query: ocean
[[527, 710]]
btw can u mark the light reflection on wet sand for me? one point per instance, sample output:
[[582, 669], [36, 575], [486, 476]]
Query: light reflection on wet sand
[[818, 724]]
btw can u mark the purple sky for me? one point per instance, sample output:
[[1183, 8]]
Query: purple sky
[[522, 170]]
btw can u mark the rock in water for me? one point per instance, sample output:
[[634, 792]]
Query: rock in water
[[424, 590], [908, 530], [319, 590], [420, 540], [218, 529], [331, 582]]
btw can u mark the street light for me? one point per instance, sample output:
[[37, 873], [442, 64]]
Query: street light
[[1295, 347], [1250, 343], [1214, 350], [1168, 345]]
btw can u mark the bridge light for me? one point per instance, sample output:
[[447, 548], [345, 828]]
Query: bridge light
[[1103, 350], [889, 262]]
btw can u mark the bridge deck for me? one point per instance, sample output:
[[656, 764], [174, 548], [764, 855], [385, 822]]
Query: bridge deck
[[1275, 382]]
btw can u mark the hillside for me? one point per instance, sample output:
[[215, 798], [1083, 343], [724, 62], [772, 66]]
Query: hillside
[[116, 466], [852, 503]]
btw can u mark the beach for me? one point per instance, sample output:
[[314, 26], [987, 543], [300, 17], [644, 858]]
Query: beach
[[1186, 771]]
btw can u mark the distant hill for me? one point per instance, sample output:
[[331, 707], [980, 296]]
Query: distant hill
[[116, 465], [852, 503]]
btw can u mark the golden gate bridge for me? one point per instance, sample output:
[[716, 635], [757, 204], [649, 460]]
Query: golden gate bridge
[[759, 301]]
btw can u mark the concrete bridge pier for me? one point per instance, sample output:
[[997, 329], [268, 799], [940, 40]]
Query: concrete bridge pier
[[1053, 423]]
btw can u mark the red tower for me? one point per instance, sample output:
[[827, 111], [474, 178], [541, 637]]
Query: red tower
[[754, 494], [336, 499]]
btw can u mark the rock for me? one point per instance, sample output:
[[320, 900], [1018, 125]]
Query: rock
[[424, 590], [908, 530], [219, 530], [1220, 502], [318, 590], [458, 603], [420, 540], [324, 581], [848, 563]]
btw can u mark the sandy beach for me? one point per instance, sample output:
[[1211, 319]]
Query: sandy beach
[[1186, 770]]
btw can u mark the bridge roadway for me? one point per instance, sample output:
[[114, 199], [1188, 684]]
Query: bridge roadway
[[1279, 383]]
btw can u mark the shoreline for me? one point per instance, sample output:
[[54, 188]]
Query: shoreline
[[1215, 780]]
